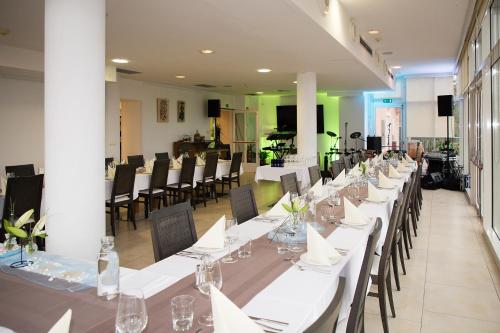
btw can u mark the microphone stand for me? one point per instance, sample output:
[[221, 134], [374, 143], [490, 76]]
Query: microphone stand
[[345, 138]]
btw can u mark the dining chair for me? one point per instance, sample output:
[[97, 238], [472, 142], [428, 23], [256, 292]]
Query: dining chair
[[21, 195], [399, 236], [157, 185], [136, 160], [314, 174], [289, 183], [347, 162], [327, 322], [337, 168], [209, 178], [340, 161], [234, 171], [243, 204], [355, 158], [356, 320], [162, 156], [185, 184], [108, 161], [22, 170], [122, 194], [381, 269], [406, 216], [172, 230]]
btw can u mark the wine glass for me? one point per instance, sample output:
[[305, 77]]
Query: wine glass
[[231, 237], [131, 314], [210, 274]]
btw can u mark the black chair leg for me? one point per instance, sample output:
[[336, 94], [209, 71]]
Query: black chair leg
[[401, 256], [146, 207], [414, 221], [389, 293], [113, 215], [214, 190], [132, 214], [394, 257], [383, 306], [222, 191], [204, 190]]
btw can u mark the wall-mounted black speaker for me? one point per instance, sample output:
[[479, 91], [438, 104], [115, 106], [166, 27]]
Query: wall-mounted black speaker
[[374, 143], [445, 105], [214, 107]]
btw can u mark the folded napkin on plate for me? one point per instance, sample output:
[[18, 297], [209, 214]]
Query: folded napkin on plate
[[424, 164], [393, 173], [408, 158], [278, 209], [199, 161], [215, 236], [150, 283], [355, 171], [111, 171], [3, 185], [317, 189], [383, 181], [401, 167], [228, 318], [148, 166], [62, 325], [176, 164], [374, 194], [340, 179], [319, 251], [353, 215]]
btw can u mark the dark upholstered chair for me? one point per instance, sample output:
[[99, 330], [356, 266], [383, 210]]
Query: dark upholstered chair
[[185, 184], [108, 161], [209, 178], [347, 162], [314, 174], [243, 203], [327, 322], [22, 170], [136, 160], [122, 194], [157, 186], [337, 168], [172, 230], [234, 172], [356, 320], [289, 183], [162, 156]]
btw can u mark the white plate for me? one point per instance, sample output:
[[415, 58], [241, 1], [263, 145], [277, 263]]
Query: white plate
[[356, 225], [203, 250], [305, 259], [387, 188], [377, 202]]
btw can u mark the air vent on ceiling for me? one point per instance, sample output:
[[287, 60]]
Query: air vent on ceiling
[[387, 53], [203, 85], [365, 45], [127, 71]]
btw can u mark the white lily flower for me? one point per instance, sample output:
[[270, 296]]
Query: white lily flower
[[38, 229], [24, 219]]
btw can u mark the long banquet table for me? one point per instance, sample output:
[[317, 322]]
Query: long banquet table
[[266, 172], [293, 296]]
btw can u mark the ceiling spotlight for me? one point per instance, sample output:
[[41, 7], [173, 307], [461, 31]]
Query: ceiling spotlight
[[180, 76], [206, 51], [120, 61], [373, 32], [396, 67], [263, 70], [259, 92], [295, 82]]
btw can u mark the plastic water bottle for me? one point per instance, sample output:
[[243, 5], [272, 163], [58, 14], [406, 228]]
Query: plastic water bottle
[[108, 270]]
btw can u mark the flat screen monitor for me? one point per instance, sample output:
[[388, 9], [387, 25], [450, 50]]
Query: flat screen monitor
[[286, 116]]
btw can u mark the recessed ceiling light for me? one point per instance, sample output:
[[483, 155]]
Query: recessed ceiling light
[[120, 61], [263, 70], [373, 31], [396, 67], [295, 82], [259, 92], [180, 76], [207, 51]]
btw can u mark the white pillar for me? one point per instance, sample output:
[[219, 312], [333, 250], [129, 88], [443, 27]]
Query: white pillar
[[74, 126], [307, 143]]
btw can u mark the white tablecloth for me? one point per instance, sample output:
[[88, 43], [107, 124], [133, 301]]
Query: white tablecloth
[[299, 297], [267, 172]]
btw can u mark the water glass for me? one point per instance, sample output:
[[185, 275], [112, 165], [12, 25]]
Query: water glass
[[245, 250], [210, 274], [281, 242], [182, 312], [131, 314], [231, 237]]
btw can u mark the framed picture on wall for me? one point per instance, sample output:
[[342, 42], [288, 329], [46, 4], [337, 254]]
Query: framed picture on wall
[[181, 111], [162, 110]]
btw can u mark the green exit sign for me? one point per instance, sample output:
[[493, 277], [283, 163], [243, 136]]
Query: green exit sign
[[387, 100]]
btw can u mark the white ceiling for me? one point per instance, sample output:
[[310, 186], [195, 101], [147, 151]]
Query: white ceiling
[[163, 38], [424, 35]]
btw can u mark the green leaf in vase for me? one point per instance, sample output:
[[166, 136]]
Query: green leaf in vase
[[288, 208], [17, 232]]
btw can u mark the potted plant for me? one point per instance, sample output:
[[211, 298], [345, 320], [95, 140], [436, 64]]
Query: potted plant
[[263, 156]]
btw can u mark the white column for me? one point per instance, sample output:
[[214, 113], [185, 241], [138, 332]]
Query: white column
[[307, 143], [74, 126]]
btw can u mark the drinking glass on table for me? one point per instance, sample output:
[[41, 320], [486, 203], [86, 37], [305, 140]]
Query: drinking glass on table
[[245, 250], [328, 180], [182, 312], [231, 238], [131, 314], [281, 242], [210, 274]]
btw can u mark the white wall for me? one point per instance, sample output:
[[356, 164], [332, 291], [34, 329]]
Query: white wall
[[352, 111], [21, 123]]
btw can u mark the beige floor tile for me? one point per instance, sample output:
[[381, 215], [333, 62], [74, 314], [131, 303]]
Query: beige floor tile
[[460, 276], [458, 257], [408, 304], [464, 302], [441, 323], [373, 324]]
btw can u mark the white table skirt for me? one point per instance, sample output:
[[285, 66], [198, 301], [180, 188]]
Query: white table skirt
[[299, 297], [267, 172]]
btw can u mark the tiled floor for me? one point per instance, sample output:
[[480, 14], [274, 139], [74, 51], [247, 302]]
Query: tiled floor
[[452, 285]]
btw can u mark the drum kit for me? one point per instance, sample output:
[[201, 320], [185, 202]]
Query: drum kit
[[334, 139]]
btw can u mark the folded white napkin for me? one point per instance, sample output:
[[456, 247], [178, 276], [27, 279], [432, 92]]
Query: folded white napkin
[[401, 167], [393, 173], [228, 318], [176, 164], [374, 194], [319, 251], [199, 161], [340, 179], [408, 158], [150, 283], [317, 189], [179, 159], [278, 209], [215, 236], [148, 166], [3, 185], [353, 215], [62, 325], [383, 181], [111, 171], [355, 171]]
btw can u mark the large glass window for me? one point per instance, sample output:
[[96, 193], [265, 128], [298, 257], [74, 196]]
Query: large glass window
[[495, 23], [495, 107]]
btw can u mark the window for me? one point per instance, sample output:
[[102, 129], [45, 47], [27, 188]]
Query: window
[[495, 22], [495, 109]]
